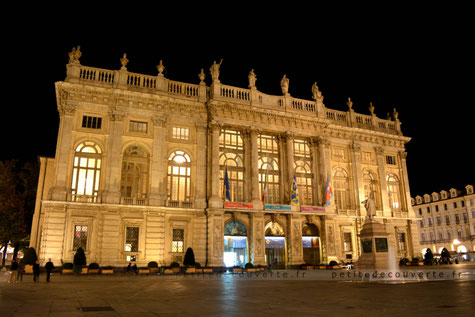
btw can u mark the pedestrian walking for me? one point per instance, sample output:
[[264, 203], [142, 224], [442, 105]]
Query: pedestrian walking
[[49, 267], [13, 271], [21, 270], [36, 271]]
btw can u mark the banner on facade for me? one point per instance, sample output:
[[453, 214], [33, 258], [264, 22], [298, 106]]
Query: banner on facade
[[312, 209], [278, 207], [238, 205], [275, 242]]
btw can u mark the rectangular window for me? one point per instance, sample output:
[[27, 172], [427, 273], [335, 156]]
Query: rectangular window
[[347, 245], [138, 126], [439, 221], [91, 122], [179, 133], [132, 239], [447, 220], [401, 237], [390, 160], [80, 237], [178, 240]]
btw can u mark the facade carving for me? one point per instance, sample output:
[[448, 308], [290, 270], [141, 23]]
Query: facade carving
[[139, 173]]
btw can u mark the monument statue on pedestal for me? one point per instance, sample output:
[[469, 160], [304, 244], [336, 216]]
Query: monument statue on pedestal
[[370, 205]]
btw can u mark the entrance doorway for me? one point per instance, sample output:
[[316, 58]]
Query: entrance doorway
[[275, 245], [311, 244], [235, 244]]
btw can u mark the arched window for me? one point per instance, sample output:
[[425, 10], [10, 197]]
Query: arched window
[[303, 175], [394, 192], [268, 164], [342, 190], [179, 176], [86, 172], [303, 171], [134, 177], [370, 183], [274, 229], [233, 164], [231, 157]]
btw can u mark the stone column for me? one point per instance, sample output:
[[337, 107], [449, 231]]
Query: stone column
[[246, 139], [316, 188], [294, 240], [255, 199], [382, 179], [215, 237], [355, 151], [201, 150], [158, 169], [64, 150], [114, 157], [405, 185], [215, 200], [289, 138], [325, 170], [257, 238]]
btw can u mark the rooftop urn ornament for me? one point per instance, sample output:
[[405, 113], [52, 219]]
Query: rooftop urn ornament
[[214, 71], [316, 93], [160, 68], [350, 104], [202, 77], [284, 84], [371, 108], [252, 79], [124, 61], [74, 55]]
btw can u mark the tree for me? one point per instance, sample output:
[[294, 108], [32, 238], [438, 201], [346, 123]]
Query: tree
[[189, 257], [12, 224], [30, 256]]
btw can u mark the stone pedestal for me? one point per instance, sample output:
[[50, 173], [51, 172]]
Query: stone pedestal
[[375, 247]]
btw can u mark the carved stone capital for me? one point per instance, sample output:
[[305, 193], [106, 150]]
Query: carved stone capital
[[200, 127], [116, 114], [403, 154], [355, 147], [160, 120], [379, 150], [66, 109]]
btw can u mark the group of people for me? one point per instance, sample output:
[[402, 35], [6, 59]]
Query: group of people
[[17, 269], [131, 268]]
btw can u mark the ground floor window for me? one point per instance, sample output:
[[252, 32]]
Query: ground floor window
[[132, 239], [80, 237], [178, 240]]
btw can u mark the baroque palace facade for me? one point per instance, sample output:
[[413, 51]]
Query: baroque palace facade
[[140, 163]]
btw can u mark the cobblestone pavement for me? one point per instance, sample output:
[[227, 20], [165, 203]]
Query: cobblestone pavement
[[228, 295]]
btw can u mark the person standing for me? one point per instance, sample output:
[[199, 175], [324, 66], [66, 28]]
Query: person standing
[[21, 270], [49, 267], [36, 271], [13, 271]]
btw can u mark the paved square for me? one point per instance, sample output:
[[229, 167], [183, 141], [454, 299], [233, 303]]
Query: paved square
[[227, 295]]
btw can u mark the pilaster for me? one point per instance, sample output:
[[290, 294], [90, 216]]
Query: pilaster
[[158, 171], [257, 238]]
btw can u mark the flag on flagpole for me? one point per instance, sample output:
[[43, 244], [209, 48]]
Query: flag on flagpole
[[294, 195], [328, 192], [227, 187]]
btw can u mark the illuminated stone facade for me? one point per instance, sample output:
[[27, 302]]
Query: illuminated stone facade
[[447, 220], [140, 164]]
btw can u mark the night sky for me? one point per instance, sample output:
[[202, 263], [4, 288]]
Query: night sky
[[416, 61]]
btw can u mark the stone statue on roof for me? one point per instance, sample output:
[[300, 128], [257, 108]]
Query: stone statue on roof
[[214, 71], [284, 84]]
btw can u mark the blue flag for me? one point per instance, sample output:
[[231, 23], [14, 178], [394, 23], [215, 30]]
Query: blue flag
[[226, 185], [294, 195]]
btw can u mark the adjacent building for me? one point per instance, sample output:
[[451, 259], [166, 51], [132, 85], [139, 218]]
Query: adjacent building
[[447, 220], [146, 167]]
